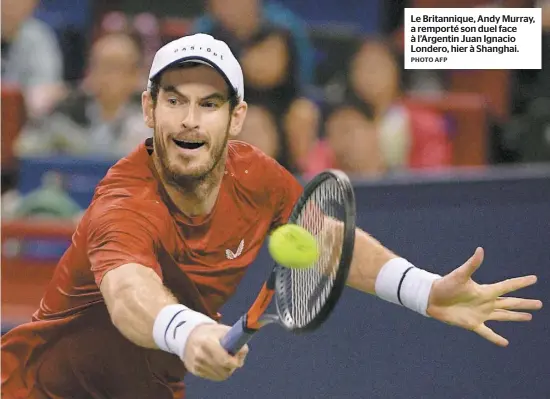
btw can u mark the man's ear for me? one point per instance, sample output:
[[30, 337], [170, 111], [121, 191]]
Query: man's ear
[[148, 109], [238, 117]]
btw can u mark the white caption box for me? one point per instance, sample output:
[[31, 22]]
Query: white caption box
[[473, 38]]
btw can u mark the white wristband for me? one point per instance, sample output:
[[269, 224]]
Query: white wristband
[[173, 325], [400, 282]]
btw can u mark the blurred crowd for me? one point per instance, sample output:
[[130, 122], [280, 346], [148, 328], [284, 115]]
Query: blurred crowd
[[321, 95]]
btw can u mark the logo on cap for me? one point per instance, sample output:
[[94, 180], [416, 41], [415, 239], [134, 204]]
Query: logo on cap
[[192, 48]]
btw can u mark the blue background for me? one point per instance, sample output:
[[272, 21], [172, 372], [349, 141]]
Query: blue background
[[372, 349]]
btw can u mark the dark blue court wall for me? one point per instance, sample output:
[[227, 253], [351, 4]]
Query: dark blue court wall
[[373, 349]]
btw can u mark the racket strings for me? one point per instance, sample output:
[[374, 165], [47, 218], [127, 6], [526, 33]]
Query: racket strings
[[302, 293]]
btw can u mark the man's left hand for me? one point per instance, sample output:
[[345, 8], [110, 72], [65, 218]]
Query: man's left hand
[[457, 300]]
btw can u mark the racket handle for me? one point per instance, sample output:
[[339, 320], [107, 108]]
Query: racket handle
[[236, 337]]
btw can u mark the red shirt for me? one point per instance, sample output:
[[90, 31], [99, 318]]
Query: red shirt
[[132, 220]]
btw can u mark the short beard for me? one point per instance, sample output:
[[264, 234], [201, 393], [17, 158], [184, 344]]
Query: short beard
[[191, 181]]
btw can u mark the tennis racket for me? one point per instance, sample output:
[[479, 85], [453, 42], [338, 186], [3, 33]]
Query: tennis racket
[[305, 298]]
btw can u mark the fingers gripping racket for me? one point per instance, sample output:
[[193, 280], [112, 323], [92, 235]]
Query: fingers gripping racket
[[305, 298]]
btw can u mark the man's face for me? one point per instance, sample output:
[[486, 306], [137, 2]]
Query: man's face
[[192, 122], [114, 68], [374, 73]]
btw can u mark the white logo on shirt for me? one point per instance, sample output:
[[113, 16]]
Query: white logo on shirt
[[233, 255]]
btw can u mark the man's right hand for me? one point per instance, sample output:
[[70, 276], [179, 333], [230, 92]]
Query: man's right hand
[[205, 357]]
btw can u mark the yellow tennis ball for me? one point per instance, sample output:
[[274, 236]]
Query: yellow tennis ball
[[293, 246]]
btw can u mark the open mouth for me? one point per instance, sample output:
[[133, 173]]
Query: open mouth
[[189, 145]]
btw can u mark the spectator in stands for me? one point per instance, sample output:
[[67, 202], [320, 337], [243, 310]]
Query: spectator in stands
[[351, 144], [49, 201], [402, 136], [103, 117], [31, 57], [273, 48]]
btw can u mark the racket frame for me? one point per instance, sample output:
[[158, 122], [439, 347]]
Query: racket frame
[[348, 244], [253, 320]]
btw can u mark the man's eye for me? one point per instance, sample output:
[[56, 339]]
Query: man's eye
[[210, 104], [173, 101]]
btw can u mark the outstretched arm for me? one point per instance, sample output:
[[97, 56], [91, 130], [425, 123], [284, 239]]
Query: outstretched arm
[[369, 256], [453, 299], [134, 295], [122, 244], [147, 313]]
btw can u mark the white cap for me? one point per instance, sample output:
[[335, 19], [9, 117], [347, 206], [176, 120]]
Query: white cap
[[203, 49]]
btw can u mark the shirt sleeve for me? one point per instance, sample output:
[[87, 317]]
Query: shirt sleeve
[[288, 191], [120, 235]]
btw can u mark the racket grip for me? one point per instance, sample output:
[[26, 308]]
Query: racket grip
[[237, 336]]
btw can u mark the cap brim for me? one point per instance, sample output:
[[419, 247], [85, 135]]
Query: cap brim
[[197, 59]]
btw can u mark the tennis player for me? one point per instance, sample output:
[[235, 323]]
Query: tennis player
[[133, 303]]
